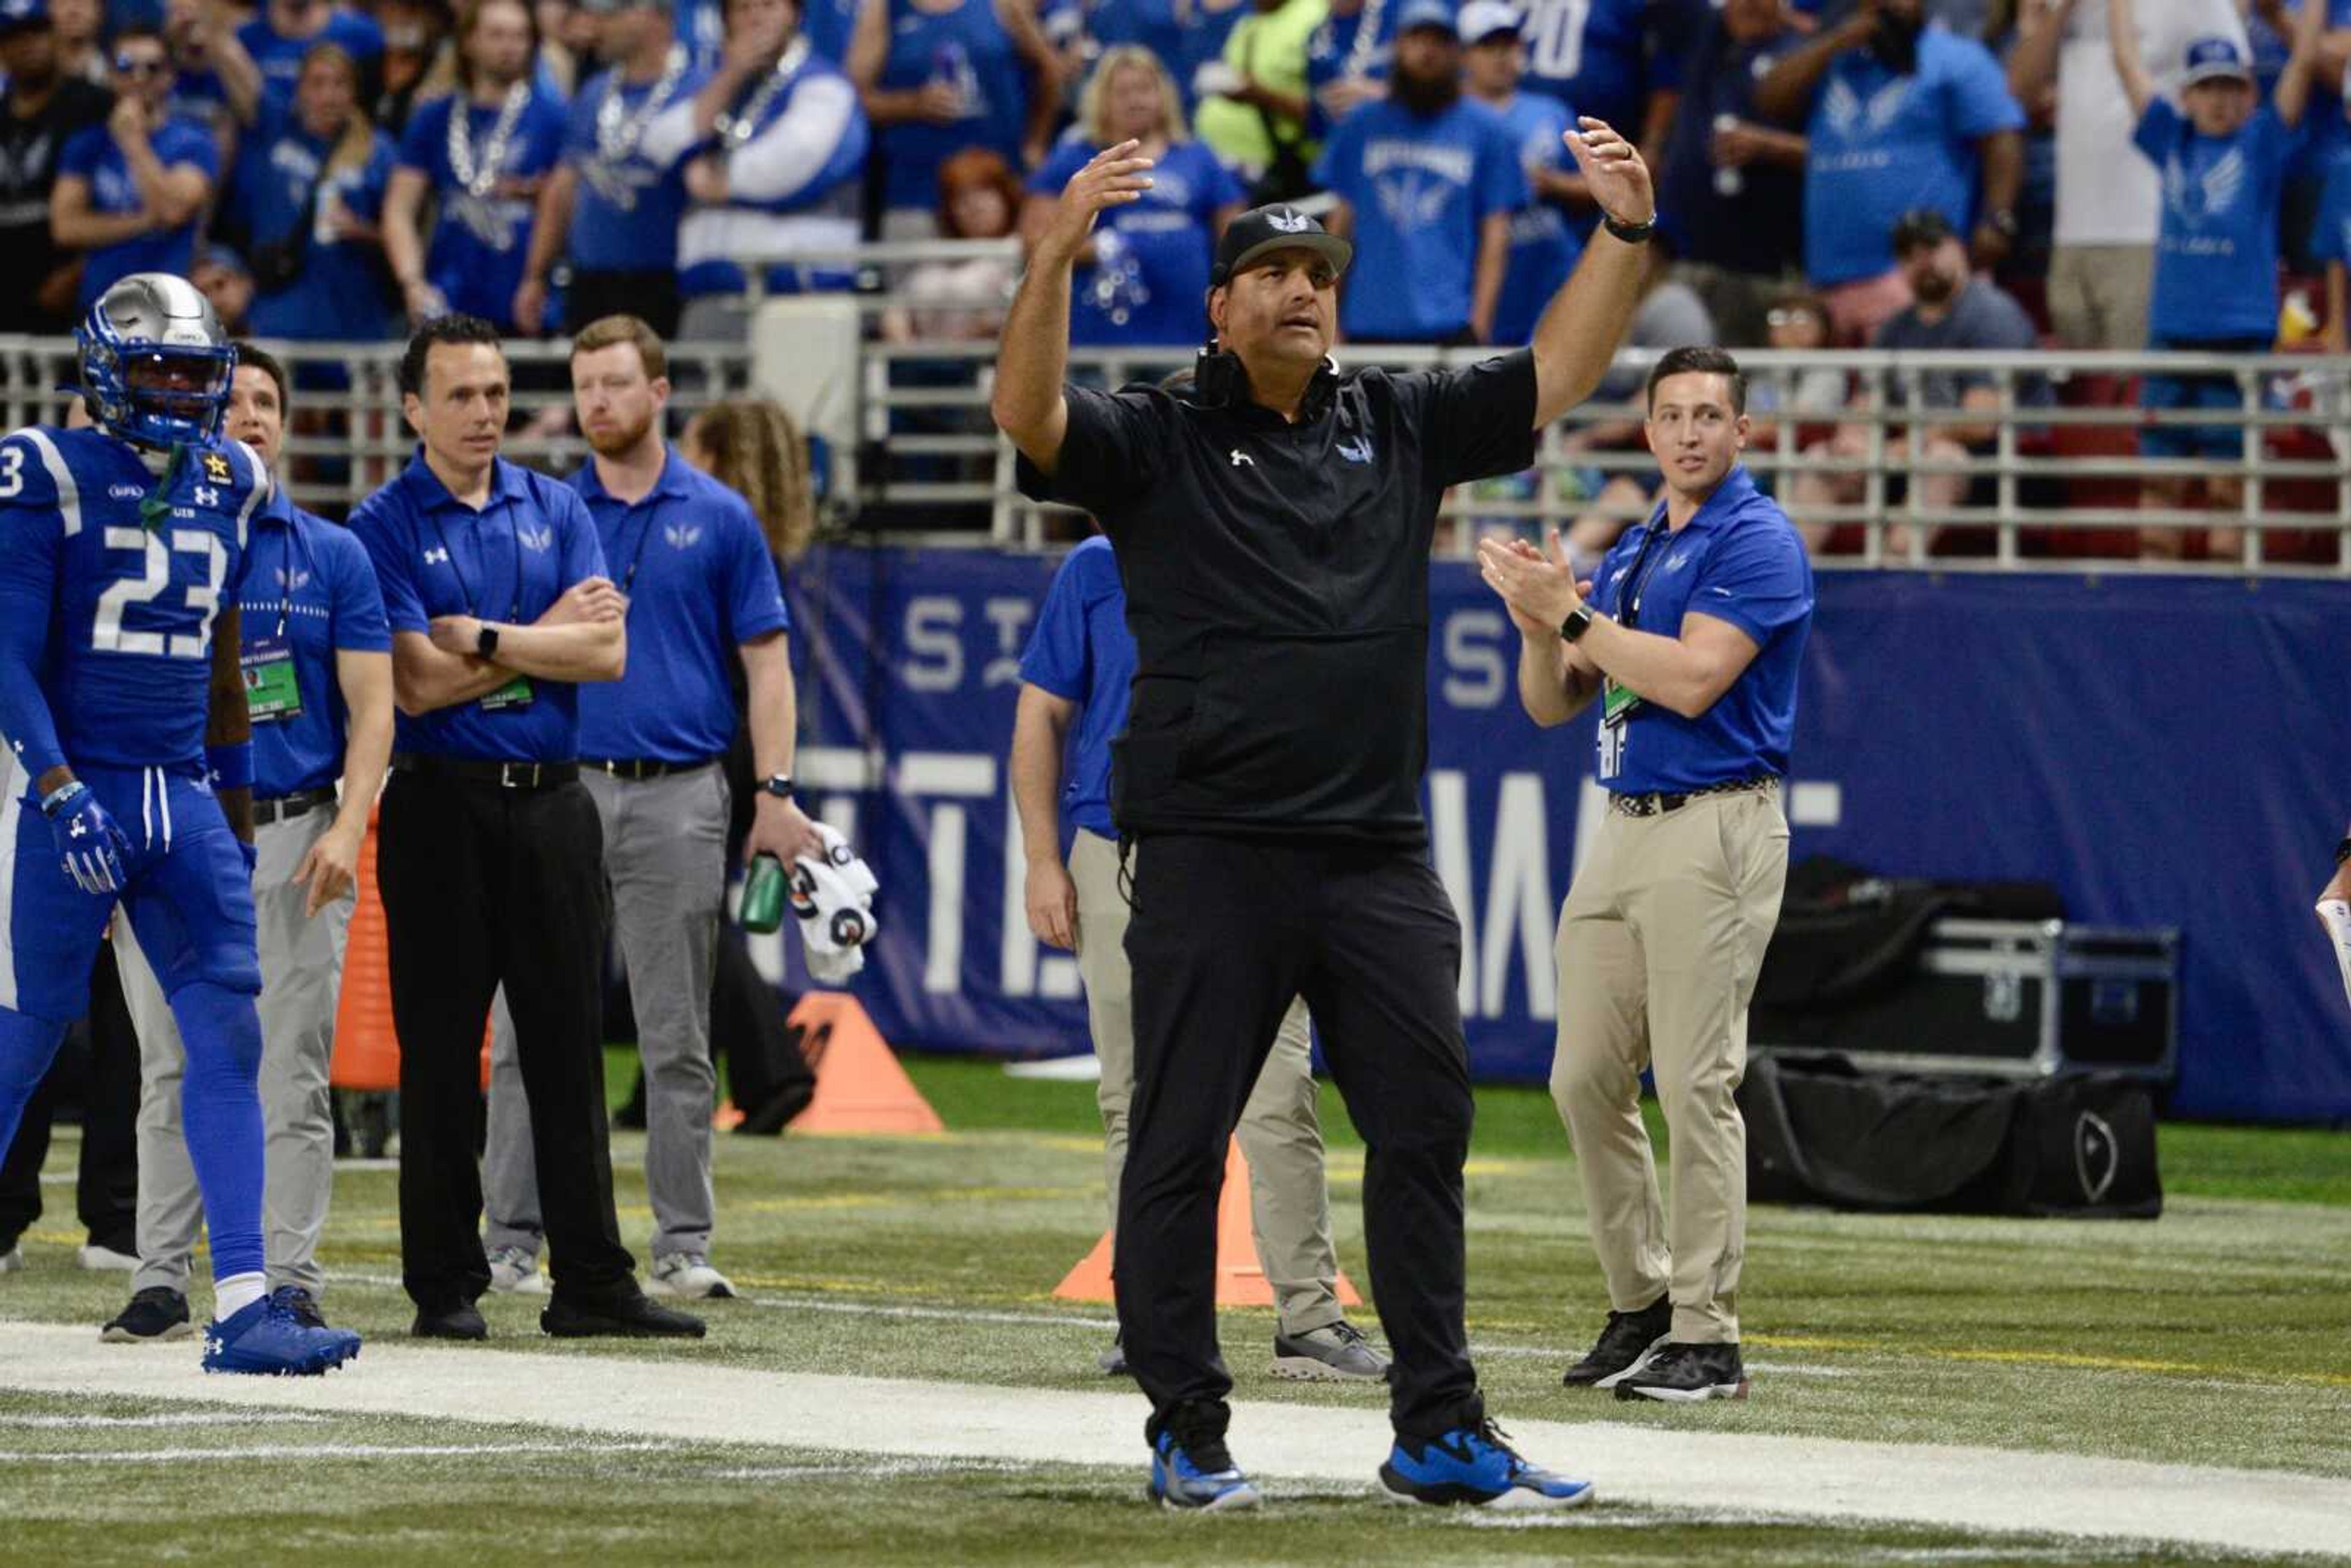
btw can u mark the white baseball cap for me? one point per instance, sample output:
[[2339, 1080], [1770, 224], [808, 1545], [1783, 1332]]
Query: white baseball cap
[[1481, 19]]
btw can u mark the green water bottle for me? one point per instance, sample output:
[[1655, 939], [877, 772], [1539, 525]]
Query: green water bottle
[[763, 896]]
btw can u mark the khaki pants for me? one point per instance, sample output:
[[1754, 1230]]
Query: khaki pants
[[1290, 1205], [2098, 295], [1659, 942]]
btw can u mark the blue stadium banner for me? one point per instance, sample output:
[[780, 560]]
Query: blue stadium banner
[[2168, 751]]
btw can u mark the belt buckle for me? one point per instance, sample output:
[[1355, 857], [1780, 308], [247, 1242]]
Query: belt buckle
[[518, 775]]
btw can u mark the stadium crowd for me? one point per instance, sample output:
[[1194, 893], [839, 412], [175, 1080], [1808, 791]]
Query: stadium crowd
[[1983, 174]]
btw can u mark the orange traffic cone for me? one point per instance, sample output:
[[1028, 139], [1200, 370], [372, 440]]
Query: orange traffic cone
[[1240, 1280], [367, 1048], [860, 1087]]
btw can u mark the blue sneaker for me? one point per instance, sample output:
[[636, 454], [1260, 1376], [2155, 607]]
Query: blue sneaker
[[269, 1337], [1198, 1474], [1475, 1465]]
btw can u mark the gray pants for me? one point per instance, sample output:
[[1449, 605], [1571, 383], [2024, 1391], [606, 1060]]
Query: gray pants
[[301, 981], [1290, 1205], [665, 856]]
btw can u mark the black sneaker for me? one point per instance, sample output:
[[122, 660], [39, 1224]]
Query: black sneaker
[[1686, 1373], [155, 1314], [623, 1317], [1625, 1343], [300, 1304], [460, 1322]]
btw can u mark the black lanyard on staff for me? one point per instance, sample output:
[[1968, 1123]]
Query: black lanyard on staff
[[638, 557], [286, 574], [1636, 580], [473, 605]]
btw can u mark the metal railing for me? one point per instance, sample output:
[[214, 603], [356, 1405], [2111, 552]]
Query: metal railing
[[2026, 493]]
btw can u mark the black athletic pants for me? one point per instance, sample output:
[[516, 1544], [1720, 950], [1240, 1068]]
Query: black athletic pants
[[107, 1188], [482, 885], [1225, 932]]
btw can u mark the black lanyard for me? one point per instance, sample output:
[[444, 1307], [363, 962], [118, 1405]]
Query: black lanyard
[[637, 559], [514, 536], [1637, 582]]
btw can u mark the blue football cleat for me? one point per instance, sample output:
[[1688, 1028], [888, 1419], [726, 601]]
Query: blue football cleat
[[267, 1337], [1198, 1474], [1475, 1465]]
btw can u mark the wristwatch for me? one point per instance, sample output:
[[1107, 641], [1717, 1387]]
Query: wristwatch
[[1578, 621], [1631, 233], [486, 641], [779, 786]]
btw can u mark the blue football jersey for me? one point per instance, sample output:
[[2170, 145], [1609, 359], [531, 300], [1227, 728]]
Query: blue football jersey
[[127, 663]]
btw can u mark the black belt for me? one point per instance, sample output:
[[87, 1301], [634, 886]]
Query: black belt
[[1654, 805], [639, 768], [286, 808], [504, 775]]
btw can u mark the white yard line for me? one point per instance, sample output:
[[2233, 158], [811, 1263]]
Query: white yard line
[[1965, 1488], [314, 1453]]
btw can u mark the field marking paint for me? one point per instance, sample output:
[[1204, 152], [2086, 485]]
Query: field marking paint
[[1817, 1478], [186, 1418], [320, 1452]]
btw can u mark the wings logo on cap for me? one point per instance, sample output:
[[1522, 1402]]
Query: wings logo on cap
[[1289, 222]]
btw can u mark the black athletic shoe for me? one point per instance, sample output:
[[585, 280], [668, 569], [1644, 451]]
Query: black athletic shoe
[[460, 1322], [155, 1314], [624, 1317], [1686, 1373], [300, 1304], [1628, 1341]]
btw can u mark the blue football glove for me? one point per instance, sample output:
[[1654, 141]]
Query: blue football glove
[[87, 842]]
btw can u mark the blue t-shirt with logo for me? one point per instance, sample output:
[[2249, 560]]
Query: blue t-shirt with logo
[[625, 217], [1419, 187], [479, 243], [1607, 57], [2216, 249], [967, 49], [1544, 246], [1737, 559], [700, 584], [339, 292], [1152, 279], [509, 562], [1883, 144], [93, 154], [280, 58], [1360, 44], [1082, 652], [309, 591]]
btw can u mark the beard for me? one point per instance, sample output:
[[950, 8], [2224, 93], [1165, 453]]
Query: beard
[[1934, 287], [614, 443], [1896, 44], [1426, 95]]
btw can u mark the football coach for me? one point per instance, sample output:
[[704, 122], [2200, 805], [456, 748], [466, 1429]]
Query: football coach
[[1272, 518]]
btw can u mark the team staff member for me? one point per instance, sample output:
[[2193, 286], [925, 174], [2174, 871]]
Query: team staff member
[[1273, 524], [1692, 646], [317, 683], [489, 855], [1076, 669], [701, 591]]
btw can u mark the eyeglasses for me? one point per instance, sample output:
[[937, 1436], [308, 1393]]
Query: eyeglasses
[[132, 66], [1788, 318]]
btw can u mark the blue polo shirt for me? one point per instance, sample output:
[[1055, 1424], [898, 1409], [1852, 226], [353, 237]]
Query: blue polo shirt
[[1737, 560], [308, 585], [1082, 652], [700, 583], [509, 562]]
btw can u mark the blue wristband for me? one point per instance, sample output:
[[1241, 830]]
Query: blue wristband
[[231, 767]]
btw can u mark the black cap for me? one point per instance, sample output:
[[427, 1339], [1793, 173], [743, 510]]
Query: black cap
[[1918, 228], [1262, 230]]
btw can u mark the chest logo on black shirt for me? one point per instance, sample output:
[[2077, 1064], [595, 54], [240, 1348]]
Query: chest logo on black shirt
[[1356, 450], [1241, 457]]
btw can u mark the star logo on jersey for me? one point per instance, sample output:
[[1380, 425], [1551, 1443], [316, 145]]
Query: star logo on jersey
[[436, 556], [536, 538], [681, 536], [1356, 450], [216, 469], [2205, 197]]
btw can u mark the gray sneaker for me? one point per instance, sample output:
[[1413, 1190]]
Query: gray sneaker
[[689, 1275], [517, 1272], [1336, 1353], [12, 1261]]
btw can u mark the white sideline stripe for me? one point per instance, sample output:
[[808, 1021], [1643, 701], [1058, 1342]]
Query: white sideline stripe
[[316, 1453], [186, 1418], [1811, 1478]]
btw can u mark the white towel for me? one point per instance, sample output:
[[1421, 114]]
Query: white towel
[[833, 899]]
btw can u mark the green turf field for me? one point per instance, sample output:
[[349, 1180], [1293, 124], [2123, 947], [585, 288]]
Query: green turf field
[[2219, 1336]]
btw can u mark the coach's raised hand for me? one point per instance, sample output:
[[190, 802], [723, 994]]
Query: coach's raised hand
[[1613, 171], [1112, 178]]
